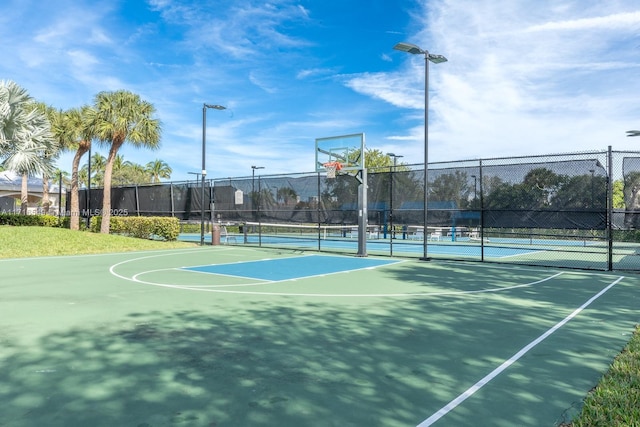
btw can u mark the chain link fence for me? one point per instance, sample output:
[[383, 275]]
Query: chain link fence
[[578, 210]]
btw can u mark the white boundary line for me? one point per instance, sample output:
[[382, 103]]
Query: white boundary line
[[484, 381], [405, 295], [209, 288]]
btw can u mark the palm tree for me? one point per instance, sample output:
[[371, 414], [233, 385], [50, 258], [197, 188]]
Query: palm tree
[[122, 171], [53, 151], [83, 178], [62, 180], [74, 132], [122, 116], [158, 169], [98, 163], [25, 136], [135, 173]]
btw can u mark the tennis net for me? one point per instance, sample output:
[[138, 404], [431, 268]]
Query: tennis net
[[311, 232]]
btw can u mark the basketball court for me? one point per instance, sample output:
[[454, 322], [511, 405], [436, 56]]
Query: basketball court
[[237, 335]]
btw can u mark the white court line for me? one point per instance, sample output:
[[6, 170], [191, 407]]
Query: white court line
[[484, 381], [210, 288]]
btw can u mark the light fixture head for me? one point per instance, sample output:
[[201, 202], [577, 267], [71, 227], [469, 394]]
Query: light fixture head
[[633, 133], [215, 106], [436, 59], [408, 47]]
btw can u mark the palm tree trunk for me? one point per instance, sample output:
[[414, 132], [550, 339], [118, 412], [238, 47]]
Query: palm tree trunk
[[106, 198], [24, 194], [74, 223], [45, 194]]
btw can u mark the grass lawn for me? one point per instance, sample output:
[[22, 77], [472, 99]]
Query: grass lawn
[[614, 402], [18, 242], [616, 399]]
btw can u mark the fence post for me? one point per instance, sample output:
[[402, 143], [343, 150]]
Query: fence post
[[481, 213], [137, 200], [609, 205], [173, 208]]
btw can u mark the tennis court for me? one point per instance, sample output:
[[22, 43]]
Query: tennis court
[[235, 335], [581, 252]]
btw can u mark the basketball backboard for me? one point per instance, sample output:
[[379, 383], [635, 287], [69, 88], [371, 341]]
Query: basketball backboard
[[346, 149]]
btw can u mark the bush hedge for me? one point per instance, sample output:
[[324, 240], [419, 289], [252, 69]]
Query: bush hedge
[[135, 226], [143, 227], [29, 220]]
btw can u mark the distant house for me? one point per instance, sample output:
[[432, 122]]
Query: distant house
[[10, 187]]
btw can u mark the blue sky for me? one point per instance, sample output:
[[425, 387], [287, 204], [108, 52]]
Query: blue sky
[[550, 76]]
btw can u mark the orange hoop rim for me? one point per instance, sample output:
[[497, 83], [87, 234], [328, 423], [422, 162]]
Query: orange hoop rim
[[336, 165]]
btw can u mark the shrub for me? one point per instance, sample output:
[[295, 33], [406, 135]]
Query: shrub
[[140, 226], [29, 220]]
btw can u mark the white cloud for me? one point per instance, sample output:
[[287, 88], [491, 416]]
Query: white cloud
[[618, 21], [521, 78]]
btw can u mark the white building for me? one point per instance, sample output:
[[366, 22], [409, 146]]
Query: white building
[[10, 188]]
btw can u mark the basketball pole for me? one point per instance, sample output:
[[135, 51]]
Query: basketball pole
[[362, 213]]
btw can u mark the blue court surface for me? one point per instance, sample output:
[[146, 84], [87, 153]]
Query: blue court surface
[[291, 268], [496, 248], [462, 249]]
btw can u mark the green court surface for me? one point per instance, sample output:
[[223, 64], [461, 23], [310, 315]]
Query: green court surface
[[219, 336]]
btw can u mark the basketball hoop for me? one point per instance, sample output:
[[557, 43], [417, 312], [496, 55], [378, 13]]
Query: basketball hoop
[[332, 168]]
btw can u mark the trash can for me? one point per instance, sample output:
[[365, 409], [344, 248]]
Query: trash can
[[215, 235]]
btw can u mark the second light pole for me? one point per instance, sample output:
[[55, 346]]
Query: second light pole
[[436, 59], [255, 198], [204, 165]]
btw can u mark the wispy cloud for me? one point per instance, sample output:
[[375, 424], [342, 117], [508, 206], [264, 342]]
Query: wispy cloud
[[618, 21], [238, 28], [520, 78]]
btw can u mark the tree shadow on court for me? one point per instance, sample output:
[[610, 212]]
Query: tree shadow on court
[[546, 385], [285, 361]]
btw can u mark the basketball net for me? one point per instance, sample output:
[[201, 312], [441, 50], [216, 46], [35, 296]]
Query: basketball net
[[332, 168]]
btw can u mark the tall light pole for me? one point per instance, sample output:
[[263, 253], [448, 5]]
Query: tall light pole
[[254, 197], [204, 167], [197, 174], [436, 59], [253, 176]]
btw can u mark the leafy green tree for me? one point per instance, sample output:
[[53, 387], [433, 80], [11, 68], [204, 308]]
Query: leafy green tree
[[618, 194], [287, 195], [536, 191], [538, 188], [581, 191], [122, 117], [451, 187], [632, 199]]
